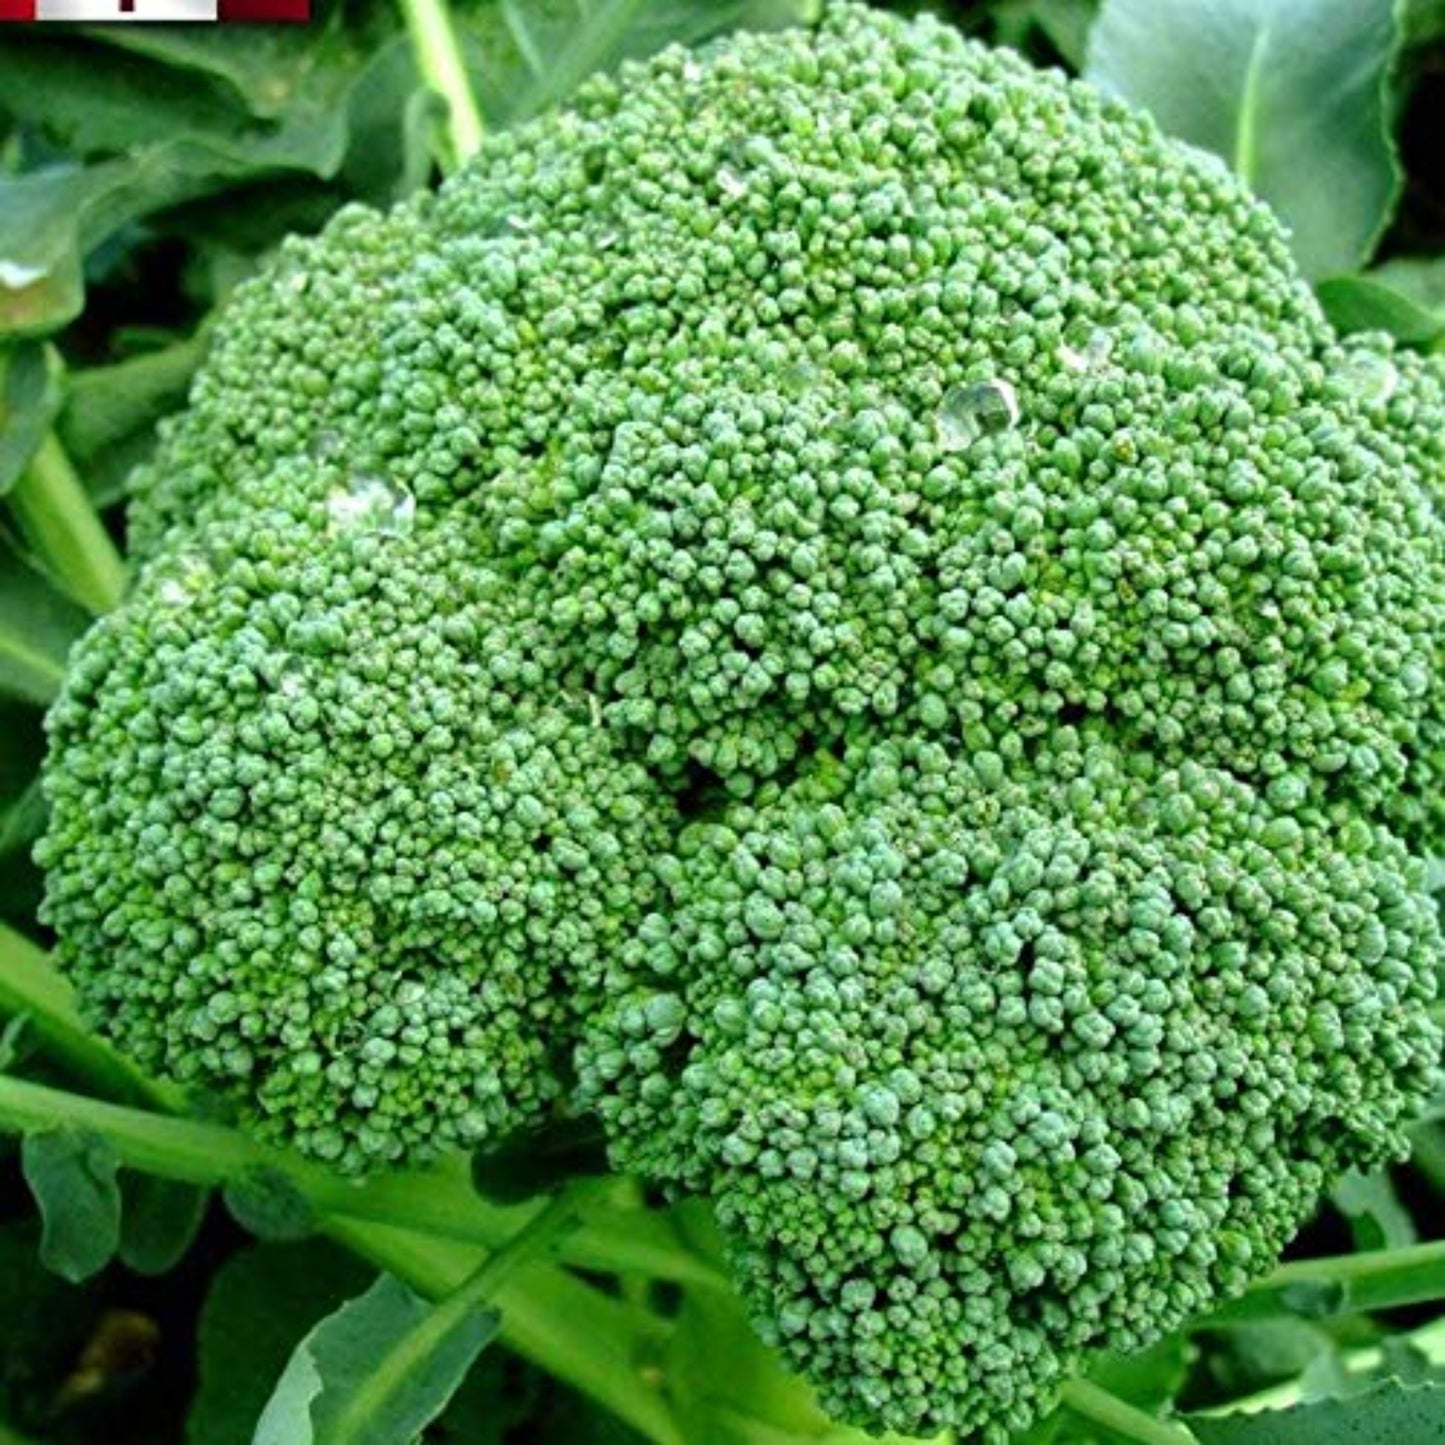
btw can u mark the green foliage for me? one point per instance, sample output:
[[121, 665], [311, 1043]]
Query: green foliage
[[1387, 1413], [1244, 79], [261, 1303], [1405, 297], [73, 1178], [377, 1371], [266, 1202], [159, 1222]]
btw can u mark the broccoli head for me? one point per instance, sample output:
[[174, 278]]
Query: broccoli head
[[838, 604]]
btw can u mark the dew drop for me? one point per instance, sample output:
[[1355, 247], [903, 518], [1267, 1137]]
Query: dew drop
[[730, 183], [607, 240], [980, 409], [327, 445], [371, 504], [15, 277], [1085, 347], [186, 578], [1370, 378], [292, 682]]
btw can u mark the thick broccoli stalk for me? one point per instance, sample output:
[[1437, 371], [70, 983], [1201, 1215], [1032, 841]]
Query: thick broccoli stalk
[[838, 604]]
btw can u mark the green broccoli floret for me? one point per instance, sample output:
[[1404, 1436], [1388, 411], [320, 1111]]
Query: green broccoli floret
[[986, 1063], [326, 837], [838, 604]]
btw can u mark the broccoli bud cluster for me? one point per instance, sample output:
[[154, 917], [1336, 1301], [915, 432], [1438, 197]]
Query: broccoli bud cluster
[[837, 604]]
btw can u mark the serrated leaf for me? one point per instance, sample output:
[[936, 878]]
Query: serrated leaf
[[1387, 1414], [267, 1202], [1291, 94], [376, 1372], [159, 1221], [72, 1175], [261, 1301]]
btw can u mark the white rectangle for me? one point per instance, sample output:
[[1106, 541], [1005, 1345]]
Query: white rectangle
[[110, 10]]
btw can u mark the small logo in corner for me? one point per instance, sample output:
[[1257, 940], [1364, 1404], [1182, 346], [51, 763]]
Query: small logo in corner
[[93, 12]]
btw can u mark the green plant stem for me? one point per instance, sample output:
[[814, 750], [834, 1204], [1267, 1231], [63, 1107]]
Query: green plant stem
[[562, 1324], [1098, 1405], [439, 59], [31, 988], [1371, 1280], [429, 1202], [55, 515], [475, 1292], [1355, 1266]]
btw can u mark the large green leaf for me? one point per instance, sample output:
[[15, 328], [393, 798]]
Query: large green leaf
[[1292, 94], [152, 137], [265, 67], [376, 1372], [1388, 1414]]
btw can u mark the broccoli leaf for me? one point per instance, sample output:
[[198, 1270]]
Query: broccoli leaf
[[1405, 297], [377, 1371], [1384, 1415], [260, 1300], [559, 43], [72, 1175], [159, 1221], [1292, 94]]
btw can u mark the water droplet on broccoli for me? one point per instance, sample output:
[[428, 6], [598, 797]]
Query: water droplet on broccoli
[[371, 504], [1370, 378], [327, 445], [185, 579], [1085, 347], [731, 183], [981, 409]]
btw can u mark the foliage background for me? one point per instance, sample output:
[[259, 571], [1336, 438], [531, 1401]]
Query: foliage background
[[145, 170]]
